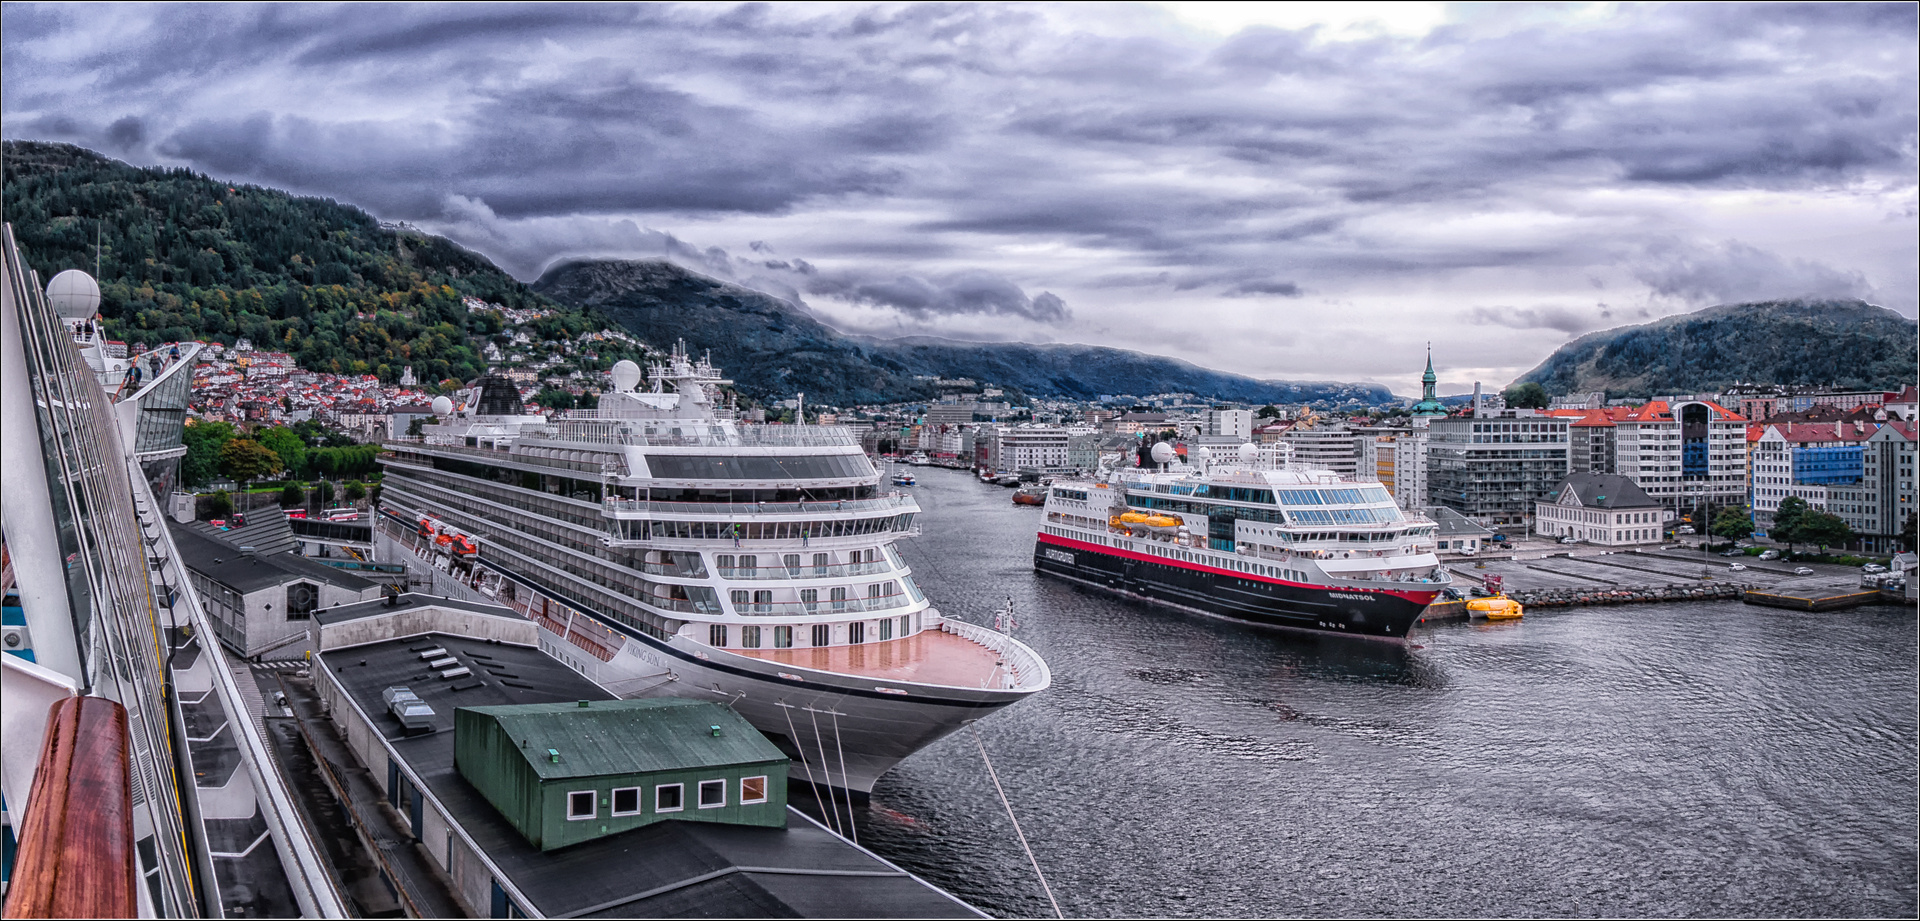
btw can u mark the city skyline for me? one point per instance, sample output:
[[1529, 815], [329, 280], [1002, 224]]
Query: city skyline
[[1283, 192]]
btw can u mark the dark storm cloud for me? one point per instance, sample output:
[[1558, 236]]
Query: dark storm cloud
[[1570, 320], [1732, 271], [915, 147]]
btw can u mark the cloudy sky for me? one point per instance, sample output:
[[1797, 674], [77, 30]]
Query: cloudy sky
[[1292, 190]]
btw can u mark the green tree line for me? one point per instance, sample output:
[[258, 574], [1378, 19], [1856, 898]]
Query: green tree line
[[184, 256]]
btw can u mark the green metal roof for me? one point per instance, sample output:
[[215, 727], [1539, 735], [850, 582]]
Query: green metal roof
[[630, 736]]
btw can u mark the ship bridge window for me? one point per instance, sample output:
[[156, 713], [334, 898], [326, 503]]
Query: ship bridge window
[[758, 467]]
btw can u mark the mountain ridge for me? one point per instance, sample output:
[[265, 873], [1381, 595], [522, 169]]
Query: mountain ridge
[[775, 347], [1793, 342]]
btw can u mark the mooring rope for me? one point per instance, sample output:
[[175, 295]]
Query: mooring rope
[[786, 710], [853, 833], [821, 743], [1016, 822]]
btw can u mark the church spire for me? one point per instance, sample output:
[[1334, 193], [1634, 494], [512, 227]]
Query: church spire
[[1429, 404]]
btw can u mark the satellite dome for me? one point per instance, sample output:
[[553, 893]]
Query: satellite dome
[[442, 406], [625, 375], [1162, 453], [74, 295], [1249, 453]]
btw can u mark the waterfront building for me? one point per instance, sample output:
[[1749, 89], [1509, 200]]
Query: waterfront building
[[1805, 460], [1136, 422], [1684, 454], [1492, 468], [1227, 422], [1598, 508], [486, 657], [1456, 534], [1878, 506], [261, 598], [572, 771], [1591, 442], [1330, 447]]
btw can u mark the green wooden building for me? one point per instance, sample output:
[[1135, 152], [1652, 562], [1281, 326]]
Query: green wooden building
[[567, 773]]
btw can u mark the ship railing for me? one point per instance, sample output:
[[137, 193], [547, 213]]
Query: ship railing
[[700, 434], [496, 455], [814, 608], [1023, 667], [642, 508], [770, 572]]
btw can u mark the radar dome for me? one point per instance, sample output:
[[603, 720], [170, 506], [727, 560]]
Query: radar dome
[[625, 375], [1249, 453], [442, 406], [1162, 453], [74, 295]]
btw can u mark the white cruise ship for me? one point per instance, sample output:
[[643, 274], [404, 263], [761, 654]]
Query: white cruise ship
[[664, 549], [1248, 536]]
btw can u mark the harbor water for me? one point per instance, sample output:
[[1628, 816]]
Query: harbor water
[[1678, 759]]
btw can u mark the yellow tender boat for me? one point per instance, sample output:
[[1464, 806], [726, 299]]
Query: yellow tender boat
[[1141, 519], [1498, 607]]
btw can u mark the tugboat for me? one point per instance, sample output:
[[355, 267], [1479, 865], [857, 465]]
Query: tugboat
[[1030, 494]]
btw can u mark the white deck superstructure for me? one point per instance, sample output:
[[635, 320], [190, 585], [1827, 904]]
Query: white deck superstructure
[[665, 548]]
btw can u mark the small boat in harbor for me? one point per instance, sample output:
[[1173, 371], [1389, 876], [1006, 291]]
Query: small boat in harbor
[[1030, 494], [903, 478]]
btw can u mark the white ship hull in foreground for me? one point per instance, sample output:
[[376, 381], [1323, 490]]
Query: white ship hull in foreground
[[663, 550]]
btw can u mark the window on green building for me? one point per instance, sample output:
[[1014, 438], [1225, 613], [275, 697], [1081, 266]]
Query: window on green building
[[753, 790], [580, 805], [668, 797], [713, 794], [626, 801]]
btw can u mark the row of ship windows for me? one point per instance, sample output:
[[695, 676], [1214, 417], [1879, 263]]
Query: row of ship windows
[[583, 805], [763, 530], [1261, 569], [720, 636]]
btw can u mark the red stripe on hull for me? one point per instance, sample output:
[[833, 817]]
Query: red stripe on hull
[[1417, 596]]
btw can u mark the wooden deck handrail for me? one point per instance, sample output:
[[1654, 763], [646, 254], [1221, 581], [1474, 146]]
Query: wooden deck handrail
[[76, 854]]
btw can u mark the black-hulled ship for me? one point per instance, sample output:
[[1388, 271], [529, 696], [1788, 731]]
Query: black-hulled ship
[[1253, 539]]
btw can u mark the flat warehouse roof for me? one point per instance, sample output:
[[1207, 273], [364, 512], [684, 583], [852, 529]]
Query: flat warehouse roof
[[665, 869]]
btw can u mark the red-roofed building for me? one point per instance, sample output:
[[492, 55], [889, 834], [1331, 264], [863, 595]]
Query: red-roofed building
[[1684, 454]]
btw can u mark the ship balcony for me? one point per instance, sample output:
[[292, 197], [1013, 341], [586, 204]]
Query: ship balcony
[[828, 607], [637, 509], [839, 571]]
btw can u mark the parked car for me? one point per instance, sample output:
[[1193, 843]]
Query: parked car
[[1873, 567], [1802, 571], [1770, 555], [1683, 529], [1735, 552], [1737, 567], [1568, 539]]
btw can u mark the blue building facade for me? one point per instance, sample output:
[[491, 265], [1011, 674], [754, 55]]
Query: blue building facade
[[1827, 465]]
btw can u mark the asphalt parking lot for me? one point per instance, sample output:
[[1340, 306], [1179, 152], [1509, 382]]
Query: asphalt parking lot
[[1539, 565]]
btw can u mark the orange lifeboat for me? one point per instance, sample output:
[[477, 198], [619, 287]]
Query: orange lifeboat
[[426, 527]]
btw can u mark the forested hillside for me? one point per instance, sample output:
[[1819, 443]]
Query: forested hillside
[[773, 348], [1847, 344], [183, 256]]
